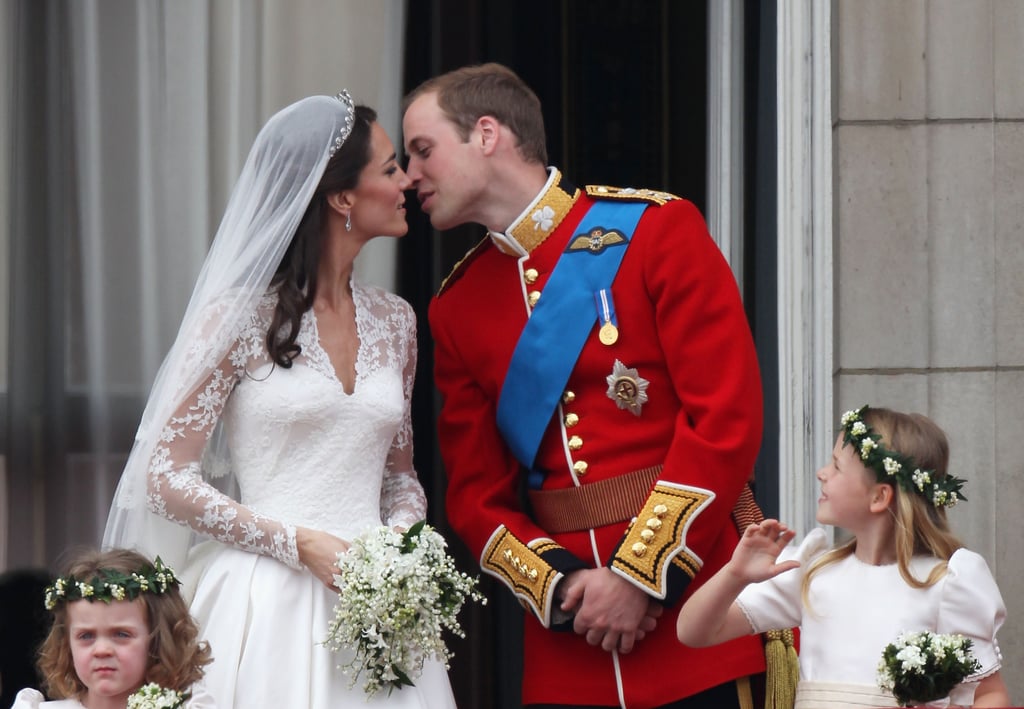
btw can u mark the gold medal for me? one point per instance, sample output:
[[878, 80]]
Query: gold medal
[[609, 334]]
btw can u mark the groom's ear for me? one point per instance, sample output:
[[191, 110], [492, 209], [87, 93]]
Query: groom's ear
[[486, 133]]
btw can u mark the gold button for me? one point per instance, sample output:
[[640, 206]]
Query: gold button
[[639, 549], [571, 420], [647, 535], [580, 467], [660, 510], [533, 297], [575, 443], [568, 397], [654, 523], [530, 276]]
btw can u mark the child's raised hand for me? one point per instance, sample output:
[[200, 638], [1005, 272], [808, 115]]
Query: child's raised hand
[[754, 558]]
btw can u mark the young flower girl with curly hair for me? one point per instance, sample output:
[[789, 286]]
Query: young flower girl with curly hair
[[120, 628], [903, 571]]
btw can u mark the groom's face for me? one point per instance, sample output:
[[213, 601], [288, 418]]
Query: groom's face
[[446, 171]]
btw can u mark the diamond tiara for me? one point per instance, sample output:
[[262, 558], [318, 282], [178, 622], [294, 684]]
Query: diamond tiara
[[350, 116]]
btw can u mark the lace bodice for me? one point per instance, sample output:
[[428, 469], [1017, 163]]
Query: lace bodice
[[302, 450]]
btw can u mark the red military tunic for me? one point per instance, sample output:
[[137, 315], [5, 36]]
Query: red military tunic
[[682, 328]]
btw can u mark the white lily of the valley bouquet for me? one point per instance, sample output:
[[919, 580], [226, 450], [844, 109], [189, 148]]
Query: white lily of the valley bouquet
[[923, 667], [153, 696], [398, 593]]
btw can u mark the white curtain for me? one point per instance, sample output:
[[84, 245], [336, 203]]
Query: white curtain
[[141, 113]]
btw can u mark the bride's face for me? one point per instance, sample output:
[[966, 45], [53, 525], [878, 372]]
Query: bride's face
[[378, 201]]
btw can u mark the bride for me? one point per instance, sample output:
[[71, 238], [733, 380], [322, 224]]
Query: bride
[[289, 387]]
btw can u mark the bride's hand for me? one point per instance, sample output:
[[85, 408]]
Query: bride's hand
[[319, 552]]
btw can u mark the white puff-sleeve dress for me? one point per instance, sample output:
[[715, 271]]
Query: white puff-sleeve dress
[[33, 699], [856, 609]]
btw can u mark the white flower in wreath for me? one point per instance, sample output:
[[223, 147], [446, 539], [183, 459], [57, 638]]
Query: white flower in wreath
[[921, 478], [891, 466], [544, 218]]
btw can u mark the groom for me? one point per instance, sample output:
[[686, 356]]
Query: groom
[[594, 349]]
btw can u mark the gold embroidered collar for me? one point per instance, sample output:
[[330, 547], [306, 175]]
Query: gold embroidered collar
[[540, 218]]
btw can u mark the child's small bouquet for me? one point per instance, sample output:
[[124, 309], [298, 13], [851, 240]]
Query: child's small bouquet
[[923, 667], [398, 592], [153, 696]]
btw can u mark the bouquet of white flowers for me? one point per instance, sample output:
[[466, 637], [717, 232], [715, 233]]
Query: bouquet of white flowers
[[923, 667], [398, 592], [153, 696]]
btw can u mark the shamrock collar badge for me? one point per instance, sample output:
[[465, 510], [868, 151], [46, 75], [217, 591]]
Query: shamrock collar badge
[[627, 388]]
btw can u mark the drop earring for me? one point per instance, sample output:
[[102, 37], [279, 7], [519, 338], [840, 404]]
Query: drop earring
[[348, 222]]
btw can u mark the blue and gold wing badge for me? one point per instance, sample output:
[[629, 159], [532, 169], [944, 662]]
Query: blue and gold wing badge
[[596, 240]]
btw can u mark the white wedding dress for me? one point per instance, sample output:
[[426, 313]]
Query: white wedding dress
[[303, 452]]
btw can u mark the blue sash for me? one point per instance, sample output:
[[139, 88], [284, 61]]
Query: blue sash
[[559, 325]]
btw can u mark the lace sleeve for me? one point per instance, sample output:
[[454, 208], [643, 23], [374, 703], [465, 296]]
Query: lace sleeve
[[403, 502], [175, 486]]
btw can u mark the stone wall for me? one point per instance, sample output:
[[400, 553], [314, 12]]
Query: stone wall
[[928, 136]]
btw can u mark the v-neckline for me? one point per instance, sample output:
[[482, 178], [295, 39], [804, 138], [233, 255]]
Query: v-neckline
[[329, 363]]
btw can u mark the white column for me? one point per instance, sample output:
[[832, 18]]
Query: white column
[[725, 168], [805, 305]]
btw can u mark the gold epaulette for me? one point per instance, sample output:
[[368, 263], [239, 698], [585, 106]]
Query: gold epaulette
[[656, 539], [629, 194], [519, 566], [457, 269]]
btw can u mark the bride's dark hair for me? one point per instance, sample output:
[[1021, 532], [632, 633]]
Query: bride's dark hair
[[295, 278]]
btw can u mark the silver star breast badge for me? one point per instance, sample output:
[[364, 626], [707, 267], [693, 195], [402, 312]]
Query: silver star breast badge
[[627, 388]]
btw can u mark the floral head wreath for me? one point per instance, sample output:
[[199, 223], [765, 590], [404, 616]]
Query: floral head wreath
[[111, 585], [893, 467]]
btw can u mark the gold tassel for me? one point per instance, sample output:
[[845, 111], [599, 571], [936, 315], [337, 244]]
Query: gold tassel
[[744, 693], [783, 669]]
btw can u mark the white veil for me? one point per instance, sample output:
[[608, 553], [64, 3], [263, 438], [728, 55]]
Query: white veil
[[280, 176]]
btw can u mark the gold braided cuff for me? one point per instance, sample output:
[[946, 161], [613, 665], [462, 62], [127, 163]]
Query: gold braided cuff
[[522, 569], [656, 538]]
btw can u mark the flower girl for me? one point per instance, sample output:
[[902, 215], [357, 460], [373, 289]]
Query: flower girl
[[901, 573], [122, 637]]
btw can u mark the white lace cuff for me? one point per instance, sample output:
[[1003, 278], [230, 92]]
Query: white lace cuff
[[287, 551]]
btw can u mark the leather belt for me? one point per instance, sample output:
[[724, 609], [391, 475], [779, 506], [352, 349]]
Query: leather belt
[[618, 499], [573, 509]]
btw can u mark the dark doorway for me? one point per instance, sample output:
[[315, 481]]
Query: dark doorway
[[624, 89]]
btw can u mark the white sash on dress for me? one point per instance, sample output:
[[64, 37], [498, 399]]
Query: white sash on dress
[[824, 695]]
